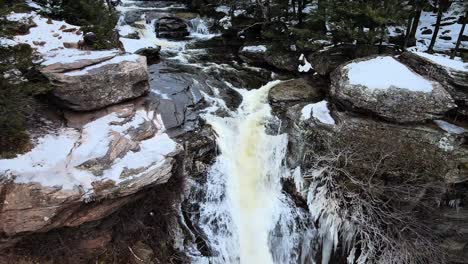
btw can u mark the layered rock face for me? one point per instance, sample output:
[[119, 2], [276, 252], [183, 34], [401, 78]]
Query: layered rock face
[[452, 74], [387, 88], [89, 84], [110, 156]]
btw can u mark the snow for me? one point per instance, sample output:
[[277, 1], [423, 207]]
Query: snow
[[223, 9], [55, 159], [386, 72], [255, 49], [75, 56], [318, 111], [445, 61], [306, 66], [428, 19], [115, 60], [450, 128], [32, 4], [4, 42]]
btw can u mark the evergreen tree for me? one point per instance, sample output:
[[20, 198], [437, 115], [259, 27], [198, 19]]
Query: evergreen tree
[[464, 20], [441, 6]]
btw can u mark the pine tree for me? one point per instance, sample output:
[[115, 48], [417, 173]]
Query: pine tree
[[441, 6], [464, 20]]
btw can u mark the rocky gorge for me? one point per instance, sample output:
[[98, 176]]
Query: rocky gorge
[[221, 150]]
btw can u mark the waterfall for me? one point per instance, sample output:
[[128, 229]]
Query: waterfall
[[199, 28], [245, 215]]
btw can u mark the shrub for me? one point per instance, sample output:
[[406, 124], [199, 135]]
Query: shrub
[[17, 97]]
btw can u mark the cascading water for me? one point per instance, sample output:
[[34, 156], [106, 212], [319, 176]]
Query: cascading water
[[245, 215]]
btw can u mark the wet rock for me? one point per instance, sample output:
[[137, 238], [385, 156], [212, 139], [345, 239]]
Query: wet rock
[[152, 54], [171, 28], [454, 81], [109, 82], [393, 103]]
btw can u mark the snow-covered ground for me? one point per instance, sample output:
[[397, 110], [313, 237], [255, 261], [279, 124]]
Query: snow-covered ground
[[443, 60], [386, 72], [449, 29]]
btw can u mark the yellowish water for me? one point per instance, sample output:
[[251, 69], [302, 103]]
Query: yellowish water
[[251, 183]]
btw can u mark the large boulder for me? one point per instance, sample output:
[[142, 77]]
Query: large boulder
[[288, 93], [84, 172], [85, 85], [171, 28], [384, 87], [452, 74], [261, 55]]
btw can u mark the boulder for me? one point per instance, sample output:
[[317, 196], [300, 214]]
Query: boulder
[[89, 38], [384, 87], [100, 162], [453, 75], [171, 28], [152, 54], [261, 55], [82, 87], [297, 90]]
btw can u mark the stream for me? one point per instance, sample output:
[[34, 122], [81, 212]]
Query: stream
[[240, 208]]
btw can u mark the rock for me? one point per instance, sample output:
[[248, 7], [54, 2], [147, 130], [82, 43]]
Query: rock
[[89, 38], [71, 45], [142, 253], [65, 197], [446, 37], [261, 55], [286, 61], [152, 54], [295, 91], [108, 82], [327, 60], [411, 103], [426, 31], [39, 43], [133, 35], [454, 80], [171, 28], [254, 54]]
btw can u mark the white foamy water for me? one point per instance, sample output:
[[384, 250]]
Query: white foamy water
[[245, 215]]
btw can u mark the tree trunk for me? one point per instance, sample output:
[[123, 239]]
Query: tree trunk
[[436, 29], [457, 46], [415, 24]]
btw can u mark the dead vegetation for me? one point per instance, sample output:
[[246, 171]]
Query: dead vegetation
[[372, 193]]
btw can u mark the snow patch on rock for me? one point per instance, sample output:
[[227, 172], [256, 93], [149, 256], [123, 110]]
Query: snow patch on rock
[[56, 159], [450, 128], [319, 111], [255, 49], [445, 61], [384, 73]]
